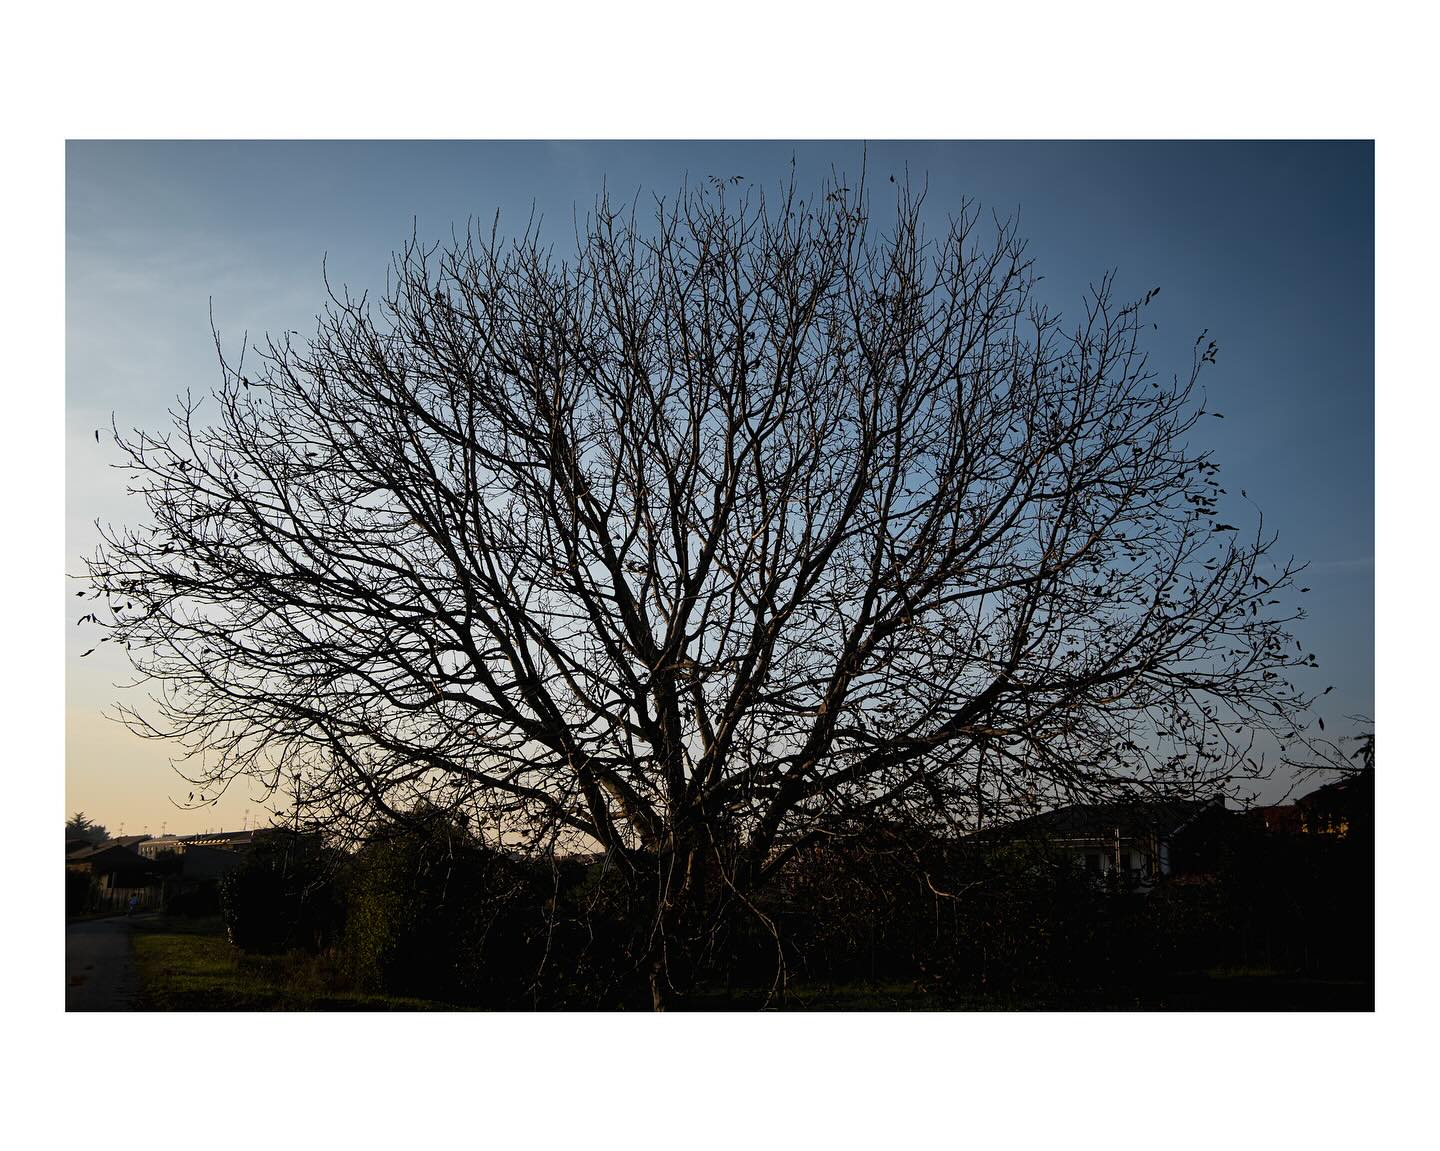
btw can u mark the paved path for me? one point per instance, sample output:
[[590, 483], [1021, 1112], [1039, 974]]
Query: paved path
[[99, 971]]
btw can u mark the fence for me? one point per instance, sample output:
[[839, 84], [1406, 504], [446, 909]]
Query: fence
[[102, 899]]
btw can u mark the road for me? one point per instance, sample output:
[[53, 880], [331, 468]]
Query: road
[[99, 971]]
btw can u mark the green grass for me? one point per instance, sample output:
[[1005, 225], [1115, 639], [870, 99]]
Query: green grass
[[861, 995], [189, 965]]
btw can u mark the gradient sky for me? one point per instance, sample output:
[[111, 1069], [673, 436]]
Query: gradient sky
[[1268, 245]]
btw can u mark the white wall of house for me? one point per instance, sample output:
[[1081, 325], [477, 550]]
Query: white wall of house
[[1134, 859]]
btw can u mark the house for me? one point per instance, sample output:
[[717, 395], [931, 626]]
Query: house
[[112, 865], [151, 869], [200, 862], [180, 844], [162, 845], [1138, 843], [1344, 809], [106, 877], [1277, 819], [229, 840], [84, 843], [201, 858]]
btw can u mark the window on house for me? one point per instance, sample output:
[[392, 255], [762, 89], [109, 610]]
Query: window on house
[[1125, 863], [1092, 861]]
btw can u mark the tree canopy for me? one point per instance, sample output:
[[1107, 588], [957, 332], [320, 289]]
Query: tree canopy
[[80, 826]]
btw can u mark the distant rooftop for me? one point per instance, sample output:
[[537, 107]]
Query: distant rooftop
[[177, 844], [1094, 820], [214, 837]]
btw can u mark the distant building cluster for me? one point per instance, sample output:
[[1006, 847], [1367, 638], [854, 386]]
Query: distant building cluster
[[1137, 845], [151, 869], [1140, 843], [1145, 843], [154, 848]]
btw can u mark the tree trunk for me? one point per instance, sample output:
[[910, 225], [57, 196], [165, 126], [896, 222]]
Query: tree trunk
[[658, 990]]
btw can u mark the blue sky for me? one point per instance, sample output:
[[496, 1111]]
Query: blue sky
[[1268, 245]]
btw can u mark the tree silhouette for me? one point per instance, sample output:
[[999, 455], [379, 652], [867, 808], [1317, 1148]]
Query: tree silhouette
[[748, 521], [79, 826]]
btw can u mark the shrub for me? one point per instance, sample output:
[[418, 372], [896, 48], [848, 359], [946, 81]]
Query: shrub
[[284, 895], [431, 913], [196, 901]]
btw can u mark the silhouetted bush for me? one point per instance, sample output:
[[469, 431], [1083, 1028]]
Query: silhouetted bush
[[599, 917], [431, 913], [195, 901], [79, 892], [1304, 903], [284, 895]]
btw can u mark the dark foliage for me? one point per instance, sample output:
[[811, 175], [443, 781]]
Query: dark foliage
[[78, 891], [433, 913], [79, 827], [195, 902], [284, 896]]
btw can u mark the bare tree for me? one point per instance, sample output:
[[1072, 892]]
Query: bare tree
[[749, 520], [1316, 752]]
